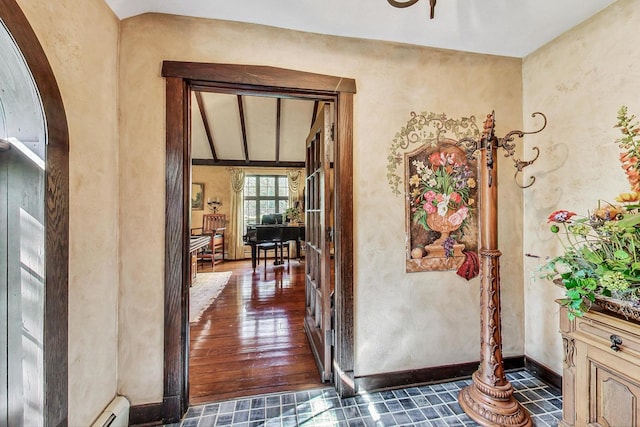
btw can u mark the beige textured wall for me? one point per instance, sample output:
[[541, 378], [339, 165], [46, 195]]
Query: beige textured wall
[[80, 39], [217, 183], [403, 321], [579, 80]]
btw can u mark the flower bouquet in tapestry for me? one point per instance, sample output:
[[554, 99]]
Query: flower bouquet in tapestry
[[442, 202], [601, 250]]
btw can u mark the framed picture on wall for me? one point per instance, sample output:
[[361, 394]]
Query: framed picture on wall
[[197, 196]]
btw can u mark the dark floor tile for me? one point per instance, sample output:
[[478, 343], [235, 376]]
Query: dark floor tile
[[208, 421], [224, 419], [194, 412], [434, 399], [402, 418], [430, 413], [190, 422], [273, 400], [240, 416], [443, 410], [447, 397], [407, 403], [351, 412], [380, 408], [210, 409], [273, 412], [394, 405], [416, 415], [257, 414], [385, 420]]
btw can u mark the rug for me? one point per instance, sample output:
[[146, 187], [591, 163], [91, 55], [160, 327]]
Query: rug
[[204, 290]]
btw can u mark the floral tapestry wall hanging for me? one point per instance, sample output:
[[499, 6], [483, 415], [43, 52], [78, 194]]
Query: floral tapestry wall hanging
[[440, 186]]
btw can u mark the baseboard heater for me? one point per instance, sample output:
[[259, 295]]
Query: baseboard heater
[[116, 414]]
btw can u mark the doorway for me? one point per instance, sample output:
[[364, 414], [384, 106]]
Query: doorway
[[179, 77], [252, 339]]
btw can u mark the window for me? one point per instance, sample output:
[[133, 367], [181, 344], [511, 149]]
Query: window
[[264, 194]]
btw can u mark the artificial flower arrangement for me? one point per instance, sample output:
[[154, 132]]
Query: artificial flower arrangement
[[602, 250], [293, 214], [442, 188]]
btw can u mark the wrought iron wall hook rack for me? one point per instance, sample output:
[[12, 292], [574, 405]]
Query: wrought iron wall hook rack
[[490, 142], [489, 399]]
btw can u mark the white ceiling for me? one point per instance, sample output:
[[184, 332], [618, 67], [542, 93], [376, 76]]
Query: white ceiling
[[500, 27], [260, 114]]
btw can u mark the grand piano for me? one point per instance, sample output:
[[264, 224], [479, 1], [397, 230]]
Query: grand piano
[[279, 234]]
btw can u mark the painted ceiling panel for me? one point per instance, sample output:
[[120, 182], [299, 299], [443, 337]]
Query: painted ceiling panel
[[296, 122], [224, 121], [199, 145], [260, 119], [260, 115]]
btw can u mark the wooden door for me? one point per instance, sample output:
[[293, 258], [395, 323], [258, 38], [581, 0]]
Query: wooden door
[[318, 234]]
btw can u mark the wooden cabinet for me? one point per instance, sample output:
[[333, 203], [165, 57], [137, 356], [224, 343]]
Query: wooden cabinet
[[601, 372]]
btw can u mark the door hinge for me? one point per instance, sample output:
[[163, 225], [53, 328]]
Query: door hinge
[[329, 234], [333, 131], [331, 337]]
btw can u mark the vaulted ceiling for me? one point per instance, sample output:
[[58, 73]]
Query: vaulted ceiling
[[244, 130]]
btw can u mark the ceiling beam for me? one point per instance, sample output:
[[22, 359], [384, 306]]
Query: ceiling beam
[[253, 163], [315, 112], [278, 117], [205, 122], [244, 129]]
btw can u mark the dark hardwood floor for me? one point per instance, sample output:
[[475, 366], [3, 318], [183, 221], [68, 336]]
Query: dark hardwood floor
[[251, 340]]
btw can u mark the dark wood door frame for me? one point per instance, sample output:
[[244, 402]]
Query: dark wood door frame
[[56, 216], [180, 76]]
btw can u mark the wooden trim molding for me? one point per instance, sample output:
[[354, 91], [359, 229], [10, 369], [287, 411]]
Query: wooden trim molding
[[56, 216], [545, 374], [181, 78], [148, 414], [255, 75], [428, 375]]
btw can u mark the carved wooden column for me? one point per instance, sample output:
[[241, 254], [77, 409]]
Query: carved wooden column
[[489, 400]]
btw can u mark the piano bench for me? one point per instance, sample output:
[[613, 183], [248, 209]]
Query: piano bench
[[273, 246]]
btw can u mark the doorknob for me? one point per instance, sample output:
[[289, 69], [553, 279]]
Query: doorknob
[[616, 342]]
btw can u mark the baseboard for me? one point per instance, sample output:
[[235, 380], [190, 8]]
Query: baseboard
[[428, 375], [542, 372], [149, 414]]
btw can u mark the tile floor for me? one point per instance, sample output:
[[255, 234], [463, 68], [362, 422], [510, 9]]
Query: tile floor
[[428, 405]]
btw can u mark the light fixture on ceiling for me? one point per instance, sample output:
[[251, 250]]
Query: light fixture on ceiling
[[403, 4]]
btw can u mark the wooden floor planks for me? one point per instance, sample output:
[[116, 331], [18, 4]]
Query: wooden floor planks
[[251, 339]]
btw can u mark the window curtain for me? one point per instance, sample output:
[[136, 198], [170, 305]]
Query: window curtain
[[236, 220]]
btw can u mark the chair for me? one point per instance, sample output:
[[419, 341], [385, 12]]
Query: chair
[[213, 225]]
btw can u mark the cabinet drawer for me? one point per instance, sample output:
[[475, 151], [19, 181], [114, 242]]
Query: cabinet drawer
[[598, 331]]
